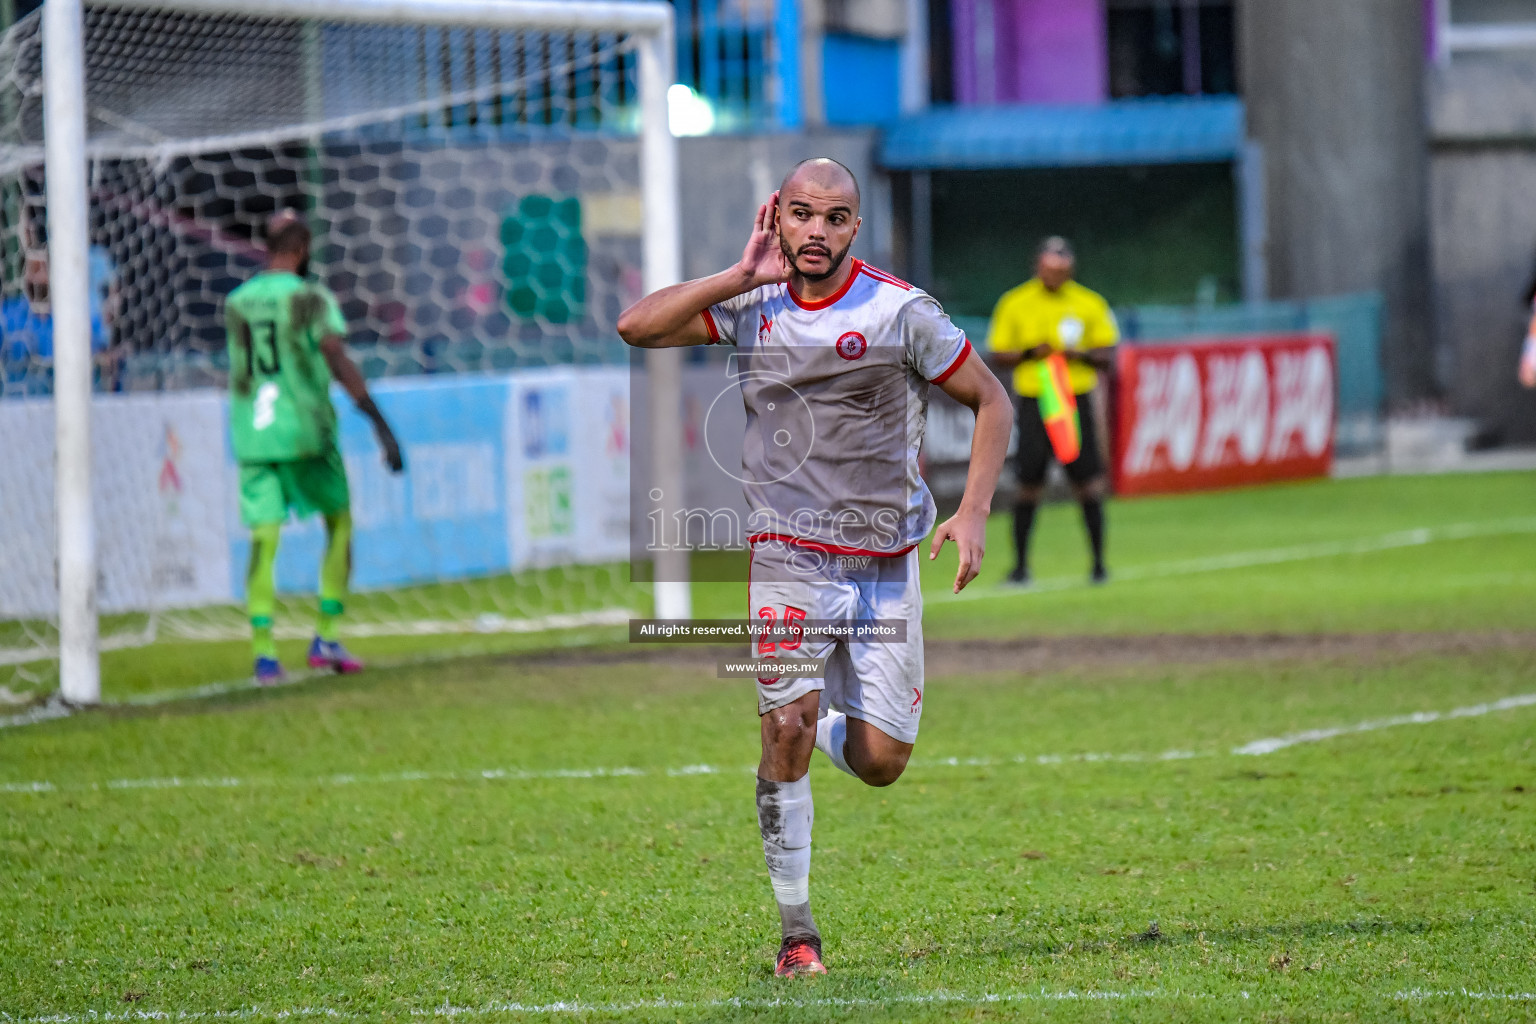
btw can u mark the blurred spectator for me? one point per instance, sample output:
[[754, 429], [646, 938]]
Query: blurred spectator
[[26, 328], [1046, 314], [104, 293], [1528, 354]]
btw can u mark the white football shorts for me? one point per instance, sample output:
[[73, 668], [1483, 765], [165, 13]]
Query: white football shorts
[[877, 682]]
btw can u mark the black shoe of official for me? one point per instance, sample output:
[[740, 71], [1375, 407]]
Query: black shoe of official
[[1019, 577], [1100, 575]]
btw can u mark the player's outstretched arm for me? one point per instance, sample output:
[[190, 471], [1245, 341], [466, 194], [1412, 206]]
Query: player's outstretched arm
[[674, 316], [351, 379], [974, 387]]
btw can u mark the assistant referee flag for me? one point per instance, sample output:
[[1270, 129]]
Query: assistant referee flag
[[1058, 408]]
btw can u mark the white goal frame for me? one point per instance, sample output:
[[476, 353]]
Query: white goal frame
[[68, 205]]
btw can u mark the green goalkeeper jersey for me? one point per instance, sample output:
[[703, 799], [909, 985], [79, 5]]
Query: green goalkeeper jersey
[[279, 384]]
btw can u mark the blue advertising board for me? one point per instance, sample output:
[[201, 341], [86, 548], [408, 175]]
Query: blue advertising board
[[444, 518]]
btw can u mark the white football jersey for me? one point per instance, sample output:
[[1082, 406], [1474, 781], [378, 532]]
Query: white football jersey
[[836, 394]]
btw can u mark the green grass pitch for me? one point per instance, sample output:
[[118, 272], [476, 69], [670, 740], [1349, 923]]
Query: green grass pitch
[[570, 835]]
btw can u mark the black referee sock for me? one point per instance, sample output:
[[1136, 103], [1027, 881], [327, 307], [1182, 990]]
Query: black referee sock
[[1093, 519], [1023, 522]]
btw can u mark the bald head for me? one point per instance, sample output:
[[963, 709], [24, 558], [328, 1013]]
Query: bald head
[[824, 174], [818, 217], [288, 239], [287, 234]]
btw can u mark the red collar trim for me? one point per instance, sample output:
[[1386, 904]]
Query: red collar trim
[[853, 275]]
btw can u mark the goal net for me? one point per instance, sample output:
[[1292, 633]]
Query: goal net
[[476, 197]]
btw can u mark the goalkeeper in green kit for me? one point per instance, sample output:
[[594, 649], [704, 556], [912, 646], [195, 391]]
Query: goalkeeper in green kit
[[287, 340]]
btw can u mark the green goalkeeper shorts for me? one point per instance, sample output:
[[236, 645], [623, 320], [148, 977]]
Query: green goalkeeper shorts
[[268, 490]]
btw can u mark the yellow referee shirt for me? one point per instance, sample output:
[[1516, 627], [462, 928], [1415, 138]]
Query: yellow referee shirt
[[1071, 318]]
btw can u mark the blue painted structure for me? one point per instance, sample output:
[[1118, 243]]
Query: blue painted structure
[[1162, 130], [861, 79]]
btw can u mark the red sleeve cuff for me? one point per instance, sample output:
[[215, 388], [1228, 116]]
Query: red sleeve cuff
[[965, 350], [709, 325]]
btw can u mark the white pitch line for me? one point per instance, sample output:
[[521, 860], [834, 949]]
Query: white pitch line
[[1272, 744], [576, 1006], [1255, 748], [546, 775], [481, 625], [351, 779], [45, 652], [448, 1010], [1421, 995], [1266, 556], [176, 627], [47, 712], [56, 708], [1079, 758]]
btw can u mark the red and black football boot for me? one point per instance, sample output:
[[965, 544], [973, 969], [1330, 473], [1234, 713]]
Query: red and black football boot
[[799, 956]]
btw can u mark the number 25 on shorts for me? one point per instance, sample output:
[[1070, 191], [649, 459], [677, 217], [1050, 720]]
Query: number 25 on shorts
[[792, 615]]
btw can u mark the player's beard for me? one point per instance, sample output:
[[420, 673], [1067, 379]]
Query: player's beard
[[303, 268], [792, 255]]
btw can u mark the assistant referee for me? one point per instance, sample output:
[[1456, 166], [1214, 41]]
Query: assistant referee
[[1053, 313]]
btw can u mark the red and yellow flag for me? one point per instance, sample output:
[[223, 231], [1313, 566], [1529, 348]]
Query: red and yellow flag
[[1058, 408]]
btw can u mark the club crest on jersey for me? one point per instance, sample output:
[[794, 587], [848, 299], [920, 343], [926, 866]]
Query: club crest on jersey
[[851, 345], [764, 329]]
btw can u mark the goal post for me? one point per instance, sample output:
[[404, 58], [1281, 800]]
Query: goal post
[[663, 263], [78, 136], [68, 250]]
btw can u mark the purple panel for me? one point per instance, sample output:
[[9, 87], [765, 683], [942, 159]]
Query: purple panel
[[1062, 51], [1007, 45], [963, 28]]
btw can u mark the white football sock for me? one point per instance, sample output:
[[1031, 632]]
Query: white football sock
[[832, 739], [784, 817]]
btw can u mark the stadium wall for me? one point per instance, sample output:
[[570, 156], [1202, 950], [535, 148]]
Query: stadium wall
[[1335, 99], [1482, 111], [504, 472]]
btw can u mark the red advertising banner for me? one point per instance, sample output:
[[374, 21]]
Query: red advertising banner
[[1223, 412]]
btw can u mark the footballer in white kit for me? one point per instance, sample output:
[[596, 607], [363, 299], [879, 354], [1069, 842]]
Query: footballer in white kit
[[835, 360], [836, 399]]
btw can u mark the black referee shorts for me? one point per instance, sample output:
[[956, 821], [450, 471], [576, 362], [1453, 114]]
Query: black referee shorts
[[1034, 452]]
